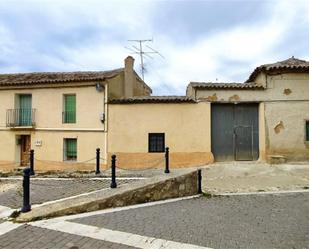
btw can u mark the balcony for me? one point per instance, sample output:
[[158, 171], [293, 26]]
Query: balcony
[[20, 118]]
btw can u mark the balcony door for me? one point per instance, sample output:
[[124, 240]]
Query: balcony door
[[25, 107], [25, 146]]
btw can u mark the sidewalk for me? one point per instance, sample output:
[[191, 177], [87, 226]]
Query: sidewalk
[[254, 177]]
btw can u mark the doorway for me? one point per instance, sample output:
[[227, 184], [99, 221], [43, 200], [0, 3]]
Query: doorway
[[25, 146], [235, 132]]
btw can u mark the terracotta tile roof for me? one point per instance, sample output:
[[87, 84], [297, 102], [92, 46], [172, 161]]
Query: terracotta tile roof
[[25, 79], [153, 99], [236, 86], [290, 65]]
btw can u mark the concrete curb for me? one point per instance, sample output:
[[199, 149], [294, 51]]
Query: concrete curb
[[176, 184], [280, 192]]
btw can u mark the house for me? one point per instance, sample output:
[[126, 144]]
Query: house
[[265, 118], [64, 117]]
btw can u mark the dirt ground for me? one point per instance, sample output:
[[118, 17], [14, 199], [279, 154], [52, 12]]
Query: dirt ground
[[6, 186], [254, 177]]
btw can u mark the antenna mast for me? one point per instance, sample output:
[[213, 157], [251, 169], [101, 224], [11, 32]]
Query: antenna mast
[[139, 50]]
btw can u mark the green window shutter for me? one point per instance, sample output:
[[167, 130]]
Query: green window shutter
[[71, 149], [25, 107], [70, 109], [307, 130]]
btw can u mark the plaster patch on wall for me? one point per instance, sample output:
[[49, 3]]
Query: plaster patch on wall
[[279, 127], [287, 91], [235, 97], [212, 97]]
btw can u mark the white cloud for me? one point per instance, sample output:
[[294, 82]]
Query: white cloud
[[40, 32]]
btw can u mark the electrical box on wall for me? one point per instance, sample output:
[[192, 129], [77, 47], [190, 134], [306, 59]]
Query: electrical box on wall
[[102, 117], [38, 143]]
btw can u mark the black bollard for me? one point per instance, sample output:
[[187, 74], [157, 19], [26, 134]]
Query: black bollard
[[199, 181], [98, 162], [167, 161], [32, 163], [113, 184], [26, 191]]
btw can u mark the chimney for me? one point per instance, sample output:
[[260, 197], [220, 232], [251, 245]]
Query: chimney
[[129, 77]]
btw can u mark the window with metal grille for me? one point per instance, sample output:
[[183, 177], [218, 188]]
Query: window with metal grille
[[307, 130], [156, 142], [70, 149], [69, 112]]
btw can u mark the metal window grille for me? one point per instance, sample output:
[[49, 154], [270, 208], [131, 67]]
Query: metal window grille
[[69, 113], [70, 149], [156, 142]]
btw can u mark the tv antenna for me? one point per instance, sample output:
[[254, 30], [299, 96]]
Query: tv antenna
[[140, 51]]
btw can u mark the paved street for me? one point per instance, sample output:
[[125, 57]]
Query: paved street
[[40, 238], [264, 221], [245, 221], [43, 190]]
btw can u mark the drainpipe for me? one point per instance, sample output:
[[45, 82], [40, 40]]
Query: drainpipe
[[106, 120]]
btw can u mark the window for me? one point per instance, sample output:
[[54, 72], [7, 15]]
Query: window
[[24, 112], [156, 142], [69, 112], [307, 131], [70, 149]]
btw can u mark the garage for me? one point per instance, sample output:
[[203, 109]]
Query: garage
[[235, 132]]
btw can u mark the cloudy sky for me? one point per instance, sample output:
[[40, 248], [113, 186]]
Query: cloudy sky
[[222, 40]]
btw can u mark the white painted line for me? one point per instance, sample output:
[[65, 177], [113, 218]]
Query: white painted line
[[5, 211], [74, 178], [118, 237], [68, 198], [118, 209], [267, 192], [7, 226]]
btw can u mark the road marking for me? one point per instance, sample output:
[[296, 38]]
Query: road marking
[[5, 211], [7, 226], [113, 236], [267, 192], [118, 209]]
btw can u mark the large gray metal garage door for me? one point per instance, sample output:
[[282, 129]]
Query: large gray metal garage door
[[234, 132]]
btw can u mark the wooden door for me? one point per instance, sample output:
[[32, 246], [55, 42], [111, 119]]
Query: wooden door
[[25, 149]]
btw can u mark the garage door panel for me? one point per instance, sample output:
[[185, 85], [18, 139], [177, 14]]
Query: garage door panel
[[222, 132], [235, 132]]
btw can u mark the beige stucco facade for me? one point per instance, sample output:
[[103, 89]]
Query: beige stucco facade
[[282, 115], [49, 131], [122, 127], [186, 127]]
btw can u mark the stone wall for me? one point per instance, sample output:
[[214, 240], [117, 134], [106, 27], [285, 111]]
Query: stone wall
[[176, 184]]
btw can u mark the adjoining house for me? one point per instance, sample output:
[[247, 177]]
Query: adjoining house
[[64, 117], [265, 118]]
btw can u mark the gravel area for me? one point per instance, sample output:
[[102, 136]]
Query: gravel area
[[254, 221]]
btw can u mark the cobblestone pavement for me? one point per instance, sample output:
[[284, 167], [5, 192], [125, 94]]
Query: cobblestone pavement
[[252, 221], [30, 237], [50, 189]]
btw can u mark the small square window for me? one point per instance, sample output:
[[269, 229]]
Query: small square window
[[70, 149], [156, 142], [307, 130]]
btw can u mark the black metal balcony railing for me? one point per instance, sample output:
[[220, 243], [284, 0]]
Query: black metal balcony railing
[[20, 117]]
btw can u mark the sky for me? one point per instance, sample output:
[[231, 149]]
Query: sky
[[206, 41]]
